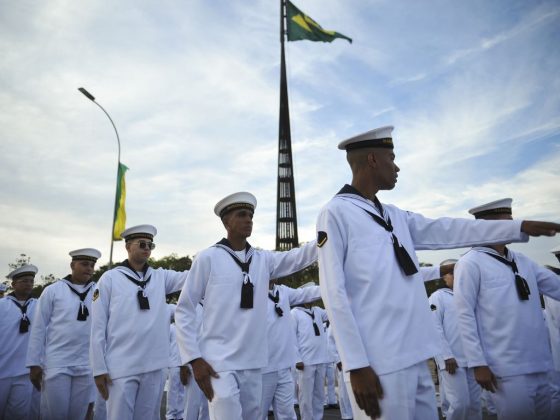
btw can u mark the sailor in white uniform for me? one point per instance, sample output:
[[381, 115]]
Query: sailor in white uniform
[[552, 308], [461, 390], [278, 385], [501, 322], [233, 278], [58, 354], [313, 357], [370, 284], [175, 388], [196, 404], [129, 346], [330, 389], [343, 398], [16, 313]]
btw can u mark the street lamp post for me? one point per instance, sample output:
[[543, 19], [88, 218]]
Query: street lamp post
[[92, 98]]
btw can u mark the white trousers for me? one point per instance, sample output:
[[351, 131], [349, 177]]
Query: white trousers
[[463, 394], [15, 397], [196, 404], [136, 397], [488, 402], [330, 394], [409, 394], [523, 397], [343, 398], [311, 382], [65, 396], [278, 390], [237, 395], [442, 397], [100, 407], [175, 395]]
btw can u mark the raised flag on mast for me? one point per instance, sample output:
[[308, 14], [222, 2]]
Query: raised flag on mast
[[296, 25], [119, 221], [302, 27]]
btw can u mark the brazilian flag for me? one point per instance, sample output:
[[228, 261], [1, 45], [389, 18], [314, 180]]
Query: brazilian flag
[[301, 26], [120, 213]]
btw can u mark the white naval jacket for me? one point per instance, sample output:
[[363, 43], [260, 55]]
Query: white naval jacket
[[313, 349], [13, 347], [57, 338], [126, 340], [174, 357], [497, 329], [331, 347], [380, 316], [281, 335], [231, 338], [445, 319], [552, 308]]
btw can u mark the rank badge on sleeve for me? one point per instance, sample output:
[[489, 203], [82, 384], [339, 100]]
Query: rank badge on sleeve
[[95, 294], [433, 307], [321, 238]]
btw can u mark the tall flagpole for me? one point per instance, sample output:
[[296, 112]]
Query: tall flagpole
[[92, 98], [286, 218]]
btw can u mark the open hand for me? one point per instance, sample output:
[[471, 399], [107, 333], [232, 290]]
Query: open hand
[[367, 390], [203, 374]]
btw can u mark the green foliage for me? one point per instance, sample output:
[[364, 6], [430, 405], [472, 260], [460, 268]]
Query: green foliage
[[20, 261]]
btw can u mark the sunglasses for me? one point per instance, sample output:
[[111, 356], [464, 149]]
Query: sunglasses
[[144, 245]]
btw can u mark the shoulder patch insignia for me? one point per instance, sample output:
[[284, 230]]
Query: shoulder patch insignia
[[95, 294], [321, 238], [433, 307]]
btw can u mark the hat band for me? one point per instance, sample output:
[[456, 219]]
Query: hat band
[[84, 257], [25, 273], [236, 206], [385, 142], [139, 235], [500, 210]]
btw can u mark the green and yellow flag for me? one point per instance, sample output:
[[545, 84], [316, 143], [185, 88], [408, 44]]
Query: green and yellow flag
[[301, 26], [120, 212]]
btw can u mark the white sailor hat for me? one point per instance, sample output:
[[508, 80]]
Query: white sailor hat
[[379, 137], [89, 254], [238, 200], [140, 231], [449, 261], [502, 206], [556, 251], [23, 271], [308, 284], [3, 287]]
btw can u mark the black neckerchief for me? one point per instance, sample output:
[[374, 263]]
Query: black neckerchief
[[521, 284], [402, 255], [83, 311], [141, 282], [247, 286], [315, 326], [24, 322], [275, 297]]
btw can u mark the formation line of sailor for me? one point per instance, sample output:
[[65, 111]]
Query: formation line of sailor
[[238, 344]]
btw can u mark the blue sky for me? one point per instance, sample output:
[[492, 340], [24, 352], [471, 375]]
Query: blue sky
[[471, 88]]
